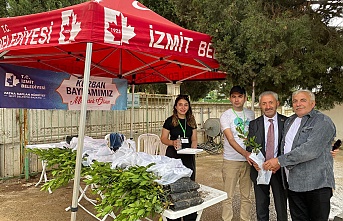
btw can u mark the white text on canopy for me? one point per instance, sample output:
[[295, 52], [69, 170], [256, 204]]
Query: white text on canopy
[[39, 35], [178, 43]]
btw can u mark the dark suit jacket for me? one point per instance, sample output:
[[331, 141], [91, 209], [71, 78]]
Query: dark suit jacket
[[256, 128]]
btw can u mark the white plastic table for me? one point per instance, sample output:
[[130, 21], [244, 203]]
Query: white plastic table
[[44, 163], [210, 196]]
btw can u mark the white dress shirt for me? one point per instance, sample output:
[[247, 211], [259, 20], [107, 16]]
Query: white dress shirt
[[293, 130]]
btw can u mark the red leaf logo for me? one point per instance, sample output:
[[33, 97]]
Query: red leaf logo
[[115, 29], [67, 28]]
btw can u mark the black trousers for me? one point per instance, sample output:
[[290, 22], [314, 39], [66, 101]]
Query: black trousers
[[262, 197], [189, 217], [311, 205]]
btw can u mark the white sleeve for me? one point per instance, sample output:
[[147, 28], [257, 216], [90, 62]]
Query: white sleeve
[[225, 121]]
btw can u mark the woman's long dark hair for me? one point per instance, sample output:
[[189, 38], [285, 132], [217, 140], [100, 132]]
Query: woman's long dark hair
[[189, 114]]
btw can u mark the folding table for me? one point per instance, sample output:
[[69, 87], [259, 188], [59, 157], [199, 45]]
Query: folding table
[[92, 201], [44, 163]]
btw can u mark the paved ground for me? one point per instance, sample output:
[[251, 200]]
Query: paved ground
[[20, 200]]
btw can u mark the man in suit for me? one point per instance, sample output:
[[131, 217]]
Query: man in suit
[[259, 127], [307, 159]]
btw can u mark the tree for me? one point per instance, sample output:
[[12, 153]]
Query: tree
[[164, 8], [3, 9], [26, 7], [195, 89], [280, 45]]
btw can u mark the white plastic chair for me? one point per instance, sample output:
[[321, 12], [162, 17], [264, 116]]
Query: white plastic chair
[[151, 144], [162, 149]]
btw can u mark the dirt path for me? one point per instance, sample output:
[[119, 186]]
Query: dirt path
[[21, 200]]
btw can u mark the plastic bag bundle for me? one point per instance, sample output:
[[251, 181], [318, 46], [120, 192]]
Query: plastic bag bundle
[[183, 196], [263, 176], [167, 169]]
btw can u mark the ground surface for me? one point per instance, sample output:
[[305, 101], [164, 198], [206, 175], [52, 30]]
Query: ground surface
[[21, 200]]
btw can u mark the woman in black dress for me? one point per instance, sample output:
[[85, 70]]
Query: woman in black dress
[[181, 125]]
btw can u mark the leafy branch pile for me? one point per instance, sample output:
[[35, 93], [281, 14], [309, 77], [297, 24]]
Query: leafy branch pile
[[131, 193], [62, 165], [249, 142]]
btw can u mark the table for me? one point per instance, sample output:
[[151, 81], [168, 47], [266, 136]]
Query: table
[[44, 163], [210, 196], [92, 201]]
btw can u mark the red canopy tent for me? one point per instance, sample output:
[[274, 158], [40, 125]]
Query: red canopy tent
[[129, 41], [107, 38]]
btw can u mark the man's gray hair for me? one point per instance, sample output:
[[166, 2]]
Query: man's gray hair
[[310, 93], [275, 95]]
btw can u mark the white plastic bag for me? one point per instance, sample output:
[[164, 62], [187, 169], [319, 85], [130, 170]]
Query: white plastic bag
[[168, 169], [263, 175]]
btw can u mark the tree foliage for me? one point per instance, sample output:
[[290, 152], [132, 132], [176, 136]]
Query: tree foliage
[[26, 7], [195, 89], [280, 45], [3, 9], [165, 8]]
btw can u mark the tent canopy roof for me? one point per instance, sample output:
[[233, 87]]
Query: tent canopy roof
[[129, 41]]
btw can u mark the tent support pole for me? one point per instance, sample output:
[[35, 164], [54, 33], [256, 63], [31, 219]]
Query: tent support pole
[[26, 135], [81, 132], [132, 109], [253, 96]]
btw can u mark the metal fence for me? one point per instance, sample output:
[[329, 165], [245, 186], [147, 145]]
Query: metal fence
[[20, 127]]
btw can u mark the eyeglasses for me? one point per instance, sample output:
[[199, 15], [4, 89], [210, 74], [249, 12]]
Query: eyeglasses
[[183, 96]]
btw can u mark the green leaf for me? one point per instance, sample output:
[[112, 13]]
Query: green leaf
[[140, 212]]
